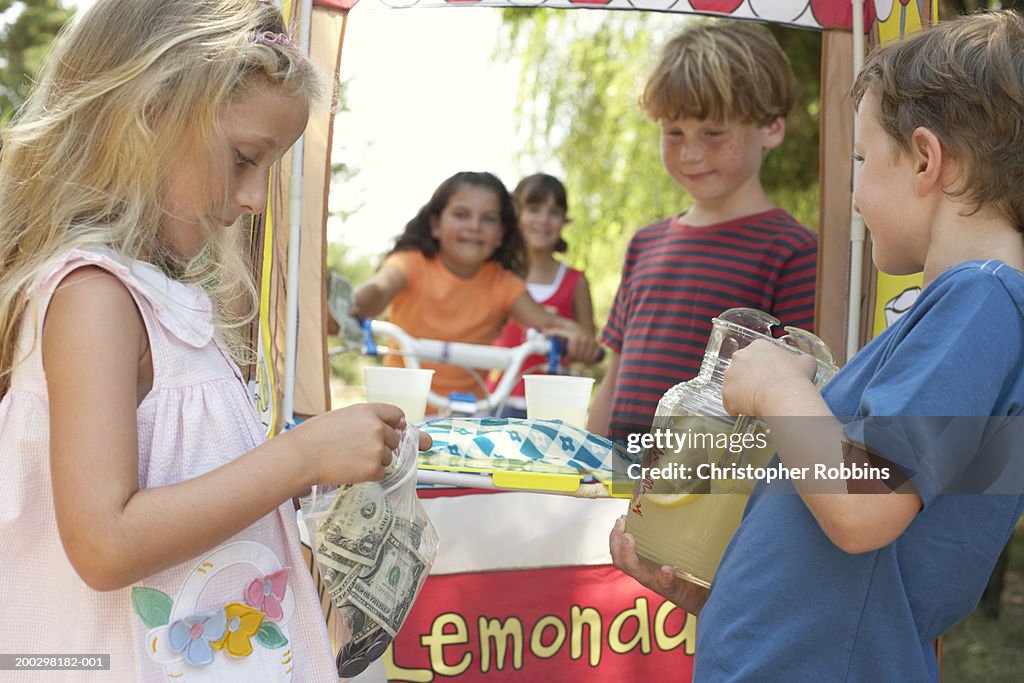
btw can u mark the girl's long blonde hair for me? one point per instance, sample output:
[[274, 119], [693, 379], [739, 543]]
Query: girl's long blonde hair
[[86, 160]]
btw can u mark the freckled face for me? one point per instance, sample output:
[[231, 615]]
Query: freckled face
[[713, 161], [213, 187]]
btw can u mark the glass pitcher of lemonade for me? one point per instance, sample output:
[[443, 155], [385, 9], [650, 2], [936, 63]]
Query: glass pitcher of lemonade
[[686, 519]]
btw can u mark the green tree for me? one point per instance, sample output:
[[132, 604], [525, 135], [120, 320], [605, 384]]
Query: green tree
[[581, 74], [27, 27], [356, 269], [950, 8]]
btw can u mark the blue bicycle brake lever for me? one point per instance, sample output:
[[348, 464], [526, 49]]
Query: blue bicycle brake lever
[[555, 354], [371, 346]]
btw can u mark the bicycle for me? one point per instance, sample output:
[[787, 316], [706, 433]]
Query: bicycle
[[471, 357]]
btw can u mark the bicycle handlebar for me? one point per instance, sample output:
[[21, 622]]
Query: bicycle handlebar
[[478, 356]]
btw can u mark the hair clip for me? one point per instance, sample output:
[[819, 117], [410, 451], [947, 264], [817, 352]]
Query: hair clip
[[271, 38]]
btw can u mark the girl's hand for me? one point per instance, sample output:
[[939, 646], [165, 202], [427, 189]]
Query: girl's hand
[[583, 348], [662, 580], [352, 444], [580, 346], [759, 373]]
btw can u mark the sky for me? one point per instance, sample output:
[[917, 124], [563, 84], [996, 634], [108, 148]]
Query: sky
[[425, 100]]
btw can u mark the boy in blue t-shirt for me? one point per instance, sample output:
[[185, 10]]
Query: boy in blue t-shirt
[[848, 579]]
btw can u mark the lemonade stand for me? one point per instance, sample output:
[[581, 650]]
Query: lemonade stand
[[528, 592]]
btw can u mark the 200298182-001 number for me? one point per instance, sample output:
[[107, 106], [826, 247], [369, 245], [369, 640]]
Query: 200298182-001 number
[[69, 662]]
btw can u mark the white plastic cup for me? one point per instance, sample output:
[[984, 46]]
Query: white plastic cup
[[406, 388], [558, 397]]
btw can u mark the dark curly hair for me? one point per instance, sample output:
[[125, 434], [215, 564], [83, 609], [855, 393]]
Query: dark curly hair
[[537, 189], [511, 253]]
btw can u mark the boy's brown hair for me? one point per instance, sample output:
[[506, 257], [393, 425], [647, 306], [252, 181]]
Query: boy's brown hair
[[720, 71], [963, 80]]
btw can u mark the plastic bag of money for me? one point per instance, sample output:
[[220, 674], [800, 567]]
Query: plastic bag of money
[[374, 546]]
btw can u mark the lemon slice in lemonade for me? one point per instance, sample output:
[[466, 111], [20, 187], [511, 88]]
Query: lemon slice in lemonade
[[671, 500]]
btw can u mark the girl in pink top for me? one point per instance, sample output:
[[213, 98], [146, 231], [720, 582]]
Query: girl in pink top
[[142, 514], [456, 274], [542, 208]]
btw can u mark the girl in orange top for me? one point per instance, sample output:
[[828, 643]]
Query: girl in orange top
[[456, 274]]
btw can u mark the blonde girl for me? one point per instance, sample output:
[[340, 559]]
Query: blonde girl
[[142, 514]]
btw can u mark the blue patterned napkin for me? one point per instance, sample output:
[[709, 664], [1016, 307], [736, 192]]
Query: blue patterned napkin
[[552, 443]]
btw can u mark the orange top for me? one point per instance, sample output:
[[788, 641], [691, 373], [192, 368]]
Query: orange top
[[437, 304]]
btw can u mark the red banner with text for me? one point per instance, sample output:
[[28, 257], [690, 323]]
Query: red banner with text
[[566, 624]]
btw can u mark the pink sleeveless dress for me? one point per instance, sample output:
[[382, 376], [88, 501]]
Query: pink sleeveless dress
[[245, 610]]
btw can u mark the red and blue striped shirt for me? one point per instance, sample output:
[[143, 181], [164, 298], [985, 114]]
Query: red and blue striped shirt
[[676, 278]]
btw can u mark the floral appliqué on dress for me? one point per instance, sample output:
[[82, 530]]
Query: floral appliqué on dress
[[185, 641]]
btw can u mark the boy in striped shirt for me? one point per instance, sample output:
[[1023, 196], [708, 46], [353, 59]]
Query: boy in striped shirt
[[720, 93]]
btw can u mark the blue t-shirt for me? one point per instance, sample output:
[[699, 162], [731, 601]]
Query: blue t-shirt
[[787, 604]]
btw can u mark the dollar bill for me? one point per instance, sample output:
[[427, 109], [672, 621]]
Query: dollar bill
[[358, 623], [386, 590], [333, 560], [357, 523], [340, 588], [409, 532]]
